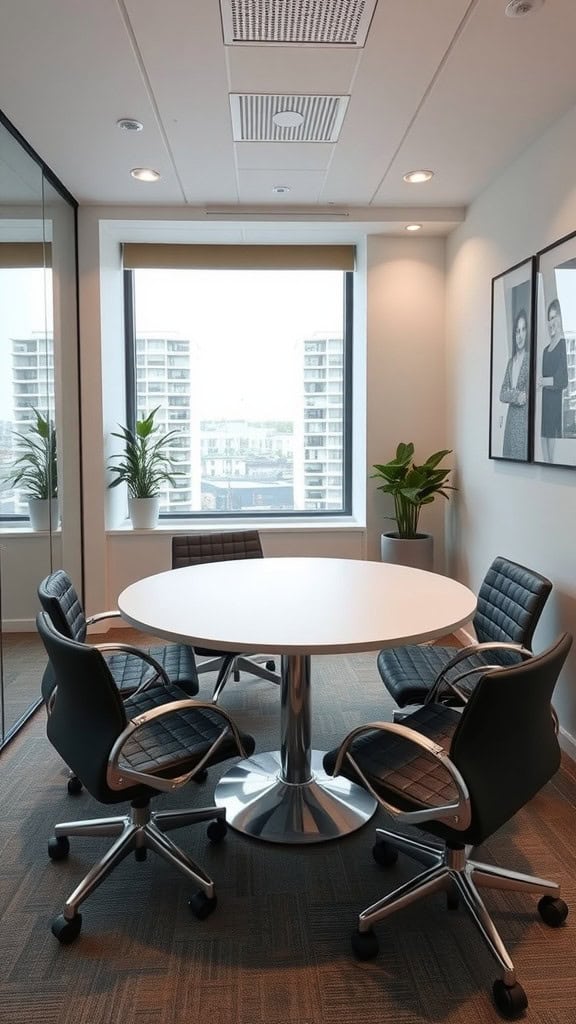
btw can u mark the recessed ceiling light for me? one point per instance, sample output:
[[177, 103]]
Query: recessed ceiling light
[[413, 227], [129, 124], [288, 119], [417, 177], [145, 174], [280, 190], [519, 8]]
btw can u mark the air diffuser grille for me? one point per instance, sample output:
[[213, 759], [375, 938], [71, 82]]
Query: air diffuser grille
[[300, 22], [253, 117]]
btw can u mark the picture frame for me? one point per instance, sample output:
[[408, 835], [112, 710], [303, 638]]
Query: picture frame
[[511, 363], [554, 365]]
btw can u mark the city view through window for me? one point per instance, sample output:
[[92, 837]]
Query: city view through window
[[249, 368]]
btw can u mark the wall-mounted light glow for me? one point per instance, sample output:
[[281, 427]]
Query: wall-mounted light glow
[[145, 174], [413, 227], [417, 177]]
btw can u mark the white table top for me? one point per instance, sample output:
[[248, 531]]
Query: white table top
[[297, 605]]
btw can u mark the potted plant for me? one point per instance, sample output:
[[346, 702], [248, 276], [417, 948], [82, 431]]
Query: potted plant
[[35, 470], [143, 466], [411, 487]]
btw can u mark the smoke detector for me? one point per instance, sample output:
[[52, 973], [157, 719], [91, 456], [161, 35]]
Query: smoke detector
[[519, 8], [129, 124]]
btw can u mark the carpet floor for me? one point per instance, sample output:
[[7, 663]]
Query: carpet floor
[[276, 950]]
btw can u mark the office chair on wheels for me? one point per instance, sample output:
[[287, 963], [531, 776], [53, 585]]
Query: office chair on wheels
[[123, 751], [460, 776], [510, 603], [197, 549], [131, 667]]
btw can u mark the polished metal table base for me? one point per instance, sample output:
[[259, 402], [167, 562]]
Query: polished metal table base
[[261, 805]]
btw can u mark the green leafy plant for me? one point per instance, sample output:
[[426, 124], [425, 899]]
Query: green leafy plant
[[412, 486], [144, 464], [35, 469]]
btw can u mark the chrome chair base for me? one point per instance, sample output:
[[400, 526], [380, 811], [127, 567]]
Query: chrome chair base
[[261, 804], [456, 873], [142, 829], [255, 665]]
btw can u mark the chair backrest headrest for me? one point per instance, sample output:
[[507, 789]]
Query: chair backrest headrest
[[510, 602], [505, 744], [87, 714], [215, 547], [59, 598]]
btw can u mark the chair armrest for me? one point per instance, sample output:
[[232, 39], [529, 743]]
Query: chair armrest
[[100, 616], [136, 652], [466, 652], [458, 815], [121, 776]]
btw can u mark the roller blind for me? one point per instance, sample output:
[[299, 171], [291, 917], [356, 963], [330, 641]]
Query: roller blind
[[15, 255], [138, 256]]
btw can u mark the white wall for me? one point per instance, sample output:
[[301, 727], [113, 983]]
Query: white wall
[[406, 371], [526, 512]]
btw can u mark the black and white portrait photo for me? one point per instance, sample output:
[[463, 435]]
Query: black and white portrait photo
[[554, 422], [510, 362]]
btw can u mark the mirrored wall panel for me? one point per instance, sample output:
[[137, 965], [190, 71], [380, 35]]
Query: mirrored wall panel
[[40, 490]]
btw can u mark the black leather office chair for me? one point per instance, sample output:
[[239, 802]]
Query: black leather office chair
[[221, 547], [510, 603], [460, 775], [130, 666], [128, 751]]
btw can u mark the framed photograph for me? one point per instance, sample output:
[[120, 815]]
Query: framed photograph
[[511, 392], [554, 372]]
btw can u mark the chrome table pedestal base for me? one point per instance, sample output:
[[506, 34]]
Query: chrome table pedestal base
[[261, 805]]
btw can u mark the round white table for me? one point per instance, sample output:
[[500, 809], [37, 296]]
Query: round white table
[[296, 607]]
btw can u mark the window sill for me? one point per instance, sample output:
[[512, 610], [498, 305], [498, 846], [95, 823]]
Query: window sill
[[343, 523], [25, 531]]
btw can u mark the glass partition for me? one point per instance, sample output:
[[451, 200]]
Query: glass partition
[[40, 500]]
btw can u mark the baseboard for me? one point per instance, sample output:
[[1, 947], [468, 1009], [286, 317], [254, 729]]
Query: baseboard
[[19, 626], [567, 743], [464, 637]]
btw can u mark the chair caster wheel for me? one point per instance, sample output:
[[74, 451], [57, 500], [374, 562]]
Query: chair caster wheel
[[510, 1000], [74, 786], [66, 931], [58, 847], [217, 830], [271, 666], [553, 911], [384, 854], [364, 945], [201, 905], [140, 853], [200, 776]]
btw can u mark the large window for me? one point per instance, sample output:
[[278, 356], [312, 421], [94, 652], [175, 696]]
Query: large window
[[252, 369], [26, 371]]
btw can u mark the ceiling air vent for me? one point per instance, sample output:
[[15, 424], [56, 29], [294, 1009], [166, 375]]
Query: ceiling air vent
[[296, 22], [267, 118]]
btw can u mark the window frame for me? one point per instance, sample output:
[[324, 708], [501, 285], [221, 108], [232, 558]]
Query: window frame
[[347, 417]]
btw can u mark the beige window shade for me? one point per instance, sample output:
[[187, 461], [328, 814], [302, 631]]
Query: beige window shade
[[14, 255], [138, 256]]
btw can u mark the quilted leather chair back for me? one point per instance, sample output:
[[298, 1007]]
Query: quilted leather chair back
[[510, 603], [87, 715], [505, 744], [215, 547], [58, 598]]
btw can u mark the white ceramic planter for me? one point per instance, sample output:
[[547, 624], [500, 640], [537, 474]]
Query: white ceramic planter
[[43, 513], [144, 512], [418, 552]]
